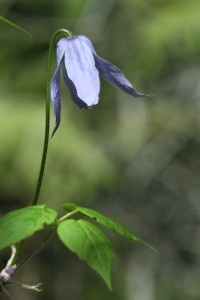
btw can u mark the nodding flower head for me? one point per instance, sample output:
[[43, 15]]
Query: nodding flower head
[[81, 67]]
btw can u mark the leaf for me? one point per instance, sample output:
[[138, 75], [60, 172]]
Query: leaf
[[107, 222], [22, 223], [90, 244], [2, 19]]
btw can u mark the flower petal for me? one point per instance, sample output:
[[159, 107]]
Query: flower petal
[[55, 85], [81, 70], [112, 74], [72, 89], [60, 50], [85, 40], [55, 98]]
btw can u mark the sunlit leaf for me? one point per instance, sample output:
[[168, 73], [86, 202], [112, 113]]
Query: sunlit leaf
[[90, 244], [22, 223], [107, 222], [2, 19]]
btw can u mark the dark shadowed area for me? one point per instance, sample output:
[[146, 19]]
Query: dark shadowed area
[[134, 159]]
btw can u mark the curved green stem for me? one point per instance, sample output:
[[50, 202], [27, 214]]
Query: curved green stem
[[67, 33], [67, 216], [47, 120]]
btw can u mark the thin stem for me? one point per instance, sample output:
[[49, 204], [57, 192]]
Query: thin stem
[[47, 125], [47, 120], [43, 244], [13, 253], [26, 259], [14, 258], [2, 19], [67, 216]]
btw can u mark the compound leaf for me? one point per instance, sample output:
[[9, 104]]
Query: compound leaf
[[90, 244]]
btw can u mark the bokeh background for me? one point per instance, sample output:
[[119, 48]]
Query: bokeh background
[[137, 160]]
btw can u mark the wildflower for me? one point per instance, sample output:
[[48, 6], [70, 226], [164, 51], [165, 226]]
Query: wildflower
[[81, 67]]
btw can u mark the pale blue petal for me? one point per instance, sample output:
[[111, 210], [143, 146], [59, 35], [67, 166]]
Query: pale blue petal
[[60, 49], [55, 84], [86, 41], [112, 74], [72, 89], [81, 70]]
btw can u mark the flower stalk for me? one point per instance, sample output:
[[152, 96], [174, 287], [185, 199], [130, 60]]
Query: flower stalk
[[14, 258], [47, 114]]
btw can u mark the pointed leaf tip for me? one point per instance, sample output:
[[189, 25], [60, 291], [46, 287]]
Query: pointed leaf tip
[[107, 222], [90, 244]]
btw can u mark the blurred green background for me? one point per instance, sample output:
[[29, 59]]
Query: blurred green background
[[137, 160]]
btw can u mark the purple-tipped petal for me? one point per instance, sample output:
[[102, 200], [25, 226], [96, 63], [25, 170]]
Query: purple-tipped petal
[[112, 74], [81, 70], [55, 85], [55, 98], [72, 89]]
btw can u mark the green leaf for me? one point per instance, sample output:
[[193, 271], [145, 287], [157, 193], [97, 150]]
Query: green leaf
[[90, 244], [22, 223], [2, 19], [107, 222]]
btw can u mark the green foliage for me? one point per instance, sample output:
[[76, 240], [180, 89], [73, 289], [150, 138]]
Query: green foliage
[[90, 244], [80, 236], [22, 223], [106, 221]]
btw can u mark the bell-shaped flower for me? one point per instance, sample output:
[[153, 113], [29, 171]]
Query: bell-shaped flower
[[81, 67]]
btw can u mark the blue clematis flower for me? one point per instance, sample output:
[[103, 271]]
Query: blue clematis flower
[[81, 67]]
